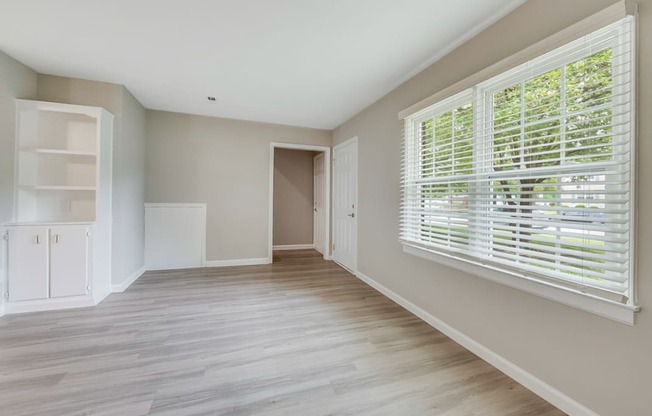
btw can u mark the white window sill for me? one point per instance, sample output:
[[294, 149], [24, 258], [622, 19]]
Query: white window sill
[[608, 309]]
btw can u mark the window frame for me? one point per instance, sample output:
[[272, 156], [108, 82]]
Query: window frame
[[512, 276]]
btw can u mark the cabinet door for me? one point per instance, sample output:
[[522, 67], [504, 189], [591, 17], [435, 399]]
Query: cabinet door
[[68, 260], [28, 263]]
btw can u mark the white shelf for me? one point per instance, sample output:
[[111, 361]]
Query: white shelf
[[60, 152], [46, 222], [59, 188]]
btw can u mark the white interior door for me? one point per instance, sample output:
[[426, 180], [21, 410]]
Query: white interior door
[[68, 260], [28, 263], [175, 236], [345, 204], [318, 208]]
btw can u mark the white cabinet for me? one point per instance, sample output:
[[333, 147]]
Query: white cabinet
[[28, 263], [62, 189], [68, 260], [47, 262]]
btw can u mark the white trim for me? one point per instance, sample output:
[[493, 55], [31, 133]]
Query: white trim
[[608, 309], [632, 9], [49, 304], [100, 296], [90, 111], [462, 39], [294, 247], [3, 270], [354, 272], [174, 205], [327, 194], [528, 380], [346, 142], [590, 24], [121, 287], [237, 262], [298, 146]]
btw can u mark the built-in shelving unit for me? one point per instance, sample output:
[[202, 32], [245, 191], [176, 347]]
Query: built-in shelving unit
[[58, 161], [59, 243]]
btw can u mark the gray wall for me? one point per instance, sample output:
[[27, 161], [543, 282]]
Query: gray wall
[[293, 196], [16, 81], [129, 192], [128, 162], [600, 363], [225, 164]]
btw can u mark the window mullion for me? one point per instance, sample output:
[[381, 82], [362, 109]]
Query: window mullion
[[562, 150], [477, 217]]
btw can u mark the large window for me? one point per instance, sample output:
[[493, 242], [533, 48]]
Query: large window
[[530, 172]]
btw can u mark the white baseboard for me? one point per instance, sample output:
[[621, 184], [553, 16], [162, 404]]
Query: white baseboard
[[236, 262], [121, 287], [48, 304], [294, 247], [531, 382], [322, 252], [100, 295]]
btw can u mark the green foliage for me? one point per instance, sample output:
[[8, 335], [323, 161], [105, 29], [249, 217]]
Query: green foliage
[[556, 118], [447, 140]]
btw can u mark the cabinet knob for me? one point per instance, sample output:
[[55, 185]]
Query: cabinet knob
[[56, 238]]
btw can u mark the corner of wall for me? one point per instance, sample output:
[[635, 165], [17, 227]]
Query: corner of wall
[[16, 81]]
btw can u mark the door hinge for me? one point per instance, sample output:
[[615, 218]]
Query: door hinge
[[88, 233], [7, 295], [6, 236], [333, 246], [88, 289]]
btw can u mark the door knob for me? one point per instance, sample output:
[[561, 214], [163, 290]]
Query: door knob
[[352, 215]]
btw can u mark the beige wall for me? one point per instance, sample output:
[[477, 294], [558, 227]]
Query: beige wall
[[225, 164], [600, 363], [293, 196], [128, 162], [16, 81]]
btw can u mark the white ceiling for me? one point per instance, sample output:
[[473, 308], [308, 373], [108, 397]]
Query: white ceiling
[[312, 63]]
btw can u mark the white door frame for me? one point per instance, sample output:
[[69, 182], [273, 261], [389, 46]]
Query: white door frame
[[327, 193], [318, 196], [357, 190]]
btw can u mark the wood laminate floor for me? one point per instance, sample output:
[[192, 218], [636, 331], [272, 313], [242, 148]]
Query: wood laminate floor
[[300, 337]]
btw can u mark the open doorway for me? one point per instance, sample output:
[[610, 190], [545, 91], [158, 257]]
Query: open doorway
[[299, 200]]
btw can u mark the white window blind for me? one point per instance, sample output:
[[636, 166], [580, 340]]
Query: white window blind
[[531, 171]]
